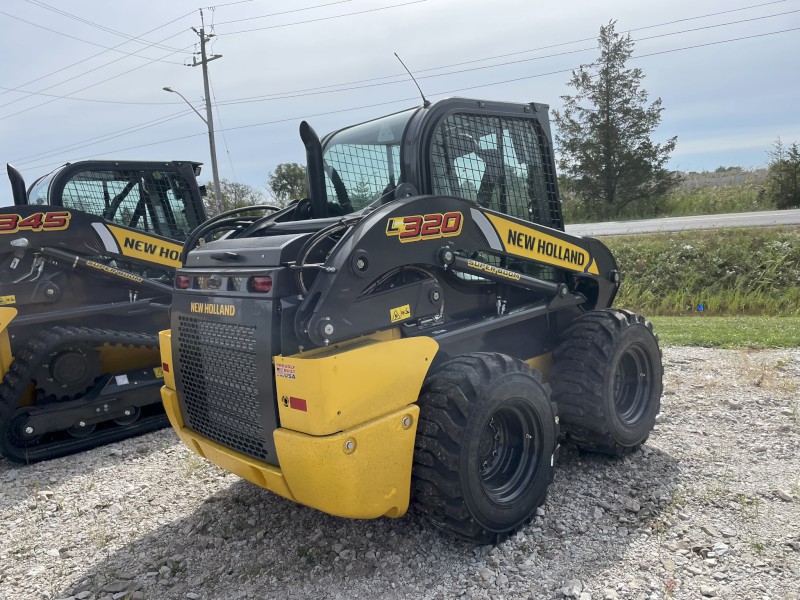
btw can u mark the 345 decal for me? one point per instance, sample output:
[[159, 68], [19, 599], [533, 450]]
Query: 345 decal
[[49, 221], [425, 227]]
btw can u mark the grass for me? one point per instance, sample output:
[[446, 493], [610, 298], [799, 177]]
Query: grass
[[727, 271], [728, 191], [729, 332]]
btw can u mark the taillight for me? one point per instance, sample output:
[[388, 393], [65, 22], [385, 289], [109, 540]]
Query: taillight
[[182, 282], [260, 284]]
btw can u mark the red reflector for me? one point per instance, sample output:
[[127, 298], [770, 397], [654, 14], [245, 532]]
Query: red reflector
[[261, 284], [182, 282], [165, 367], [298, 404]]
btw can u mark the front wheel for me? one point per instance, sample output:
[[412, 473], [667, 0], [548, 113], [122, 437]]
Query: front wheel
[[484, 449], [607, 381]]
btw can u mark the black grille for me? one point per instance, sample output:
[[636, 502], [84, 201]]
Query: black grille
[[219, 378]]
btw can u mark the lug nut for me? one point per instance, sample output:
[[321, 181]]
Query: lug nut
[[29, 430], [361, 264]]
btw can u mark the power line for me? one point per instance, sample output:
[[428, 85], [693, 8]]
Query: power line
[[72, 37], [400, 78], [360, 12], [222, 130], [69, 15], [133, 129], [61, 97], [95, 56], [439, 93], [100, 138], [82, 89], [284, 12]]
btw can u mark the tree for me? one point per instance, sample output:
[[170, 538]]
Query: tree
[[604, 133], [783, 183], [234, 195], [287, 182]]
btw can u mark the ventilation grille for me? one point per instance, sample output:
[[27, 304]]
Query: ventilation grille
[[219, 377]]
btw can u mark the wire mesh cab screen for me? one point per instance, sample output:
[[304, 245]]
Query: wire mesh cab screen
[[502, 163], [362, 163], [154, 201]]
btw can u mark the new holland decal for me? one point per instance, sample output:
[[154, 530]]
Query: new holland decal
[[211, 308], [536, 245], [146, 247], [414, 228]]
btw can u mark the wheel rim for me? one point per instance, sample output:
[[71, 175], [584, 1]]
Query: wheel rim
[[509, 450], [633, 384]]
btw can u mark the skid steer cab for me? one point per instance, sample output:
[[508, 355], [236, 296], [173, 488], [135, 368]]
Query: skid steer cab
[[87, 259], [419, 328]]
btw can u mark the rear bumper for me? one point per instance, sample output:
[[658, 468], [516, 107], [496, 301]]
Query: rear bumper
[[346, 445], [363, 472]]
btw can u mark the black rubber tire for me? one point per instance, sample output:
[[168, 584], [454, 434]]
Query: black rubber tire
[[607, 381], [485, 445]]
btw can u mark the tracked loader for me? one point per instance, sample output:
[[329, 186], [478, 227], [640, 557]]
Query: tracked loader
[[421, 327], [87, 258]]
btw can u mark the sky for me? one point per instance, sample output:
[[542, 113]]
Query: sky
[[83, 79]]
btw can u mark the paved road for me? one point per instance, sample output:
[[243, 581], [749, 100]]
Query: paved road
[[751, 219]]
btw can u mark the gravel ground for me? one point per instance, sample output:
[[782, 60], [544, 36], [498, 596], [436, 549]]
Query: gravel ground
[[709, 508]]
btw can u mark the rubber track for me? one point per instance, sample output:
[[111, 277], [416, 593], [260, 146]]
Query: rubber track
[[579, 362], [445, 405], [20, 374]]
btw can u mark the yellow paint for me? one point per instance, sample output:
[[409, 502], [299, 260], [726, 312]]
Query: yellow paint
[[348, 385], [401, 313], [372, 480], [254, 471], [165, 342], [534, 244], [542, 363], [6, 358], [145, 247], [117, 358], [7, 300], [362, 392], [361, 473]]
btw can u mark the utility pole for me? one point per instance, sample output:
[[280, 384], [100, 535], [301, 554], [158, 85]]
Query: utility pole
[[204, 60]]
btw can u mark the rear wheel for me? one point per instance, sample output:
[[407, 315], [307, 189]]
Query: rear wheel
[[607, 381], [484, 449]]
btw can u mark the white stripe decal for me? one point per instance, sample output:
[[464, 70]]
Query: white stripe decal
[[105, 235], [486, 228]]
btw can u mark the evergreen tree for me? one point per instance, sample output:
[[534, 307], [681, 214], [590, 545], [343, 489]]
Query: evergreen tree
[[604, 133], [783, 185]]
